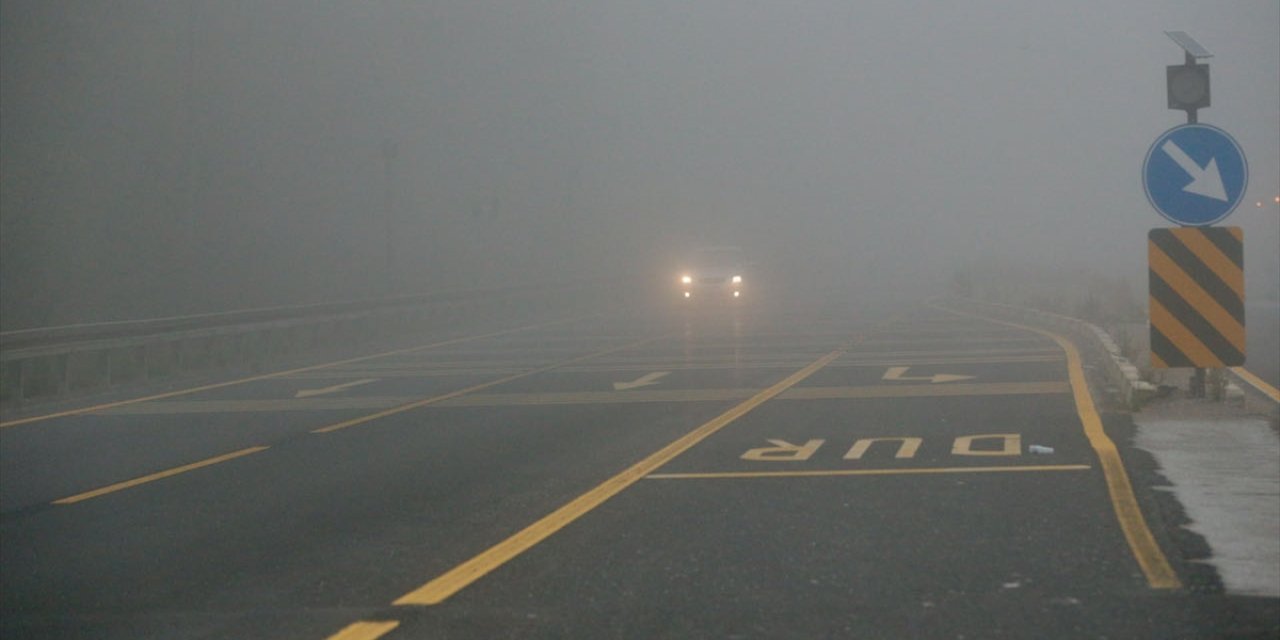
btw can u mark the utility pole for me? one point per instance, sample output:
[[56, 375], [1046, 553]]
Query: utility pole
[[390, 152]]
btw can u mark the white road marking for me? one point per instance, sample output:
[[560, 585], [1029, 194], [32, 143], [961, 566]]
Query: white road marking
[[643, 381], [899, 374], [308, 393]]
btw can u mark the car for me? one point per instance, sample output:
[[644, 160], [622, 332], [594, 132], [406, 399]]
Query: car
[[714, 273]]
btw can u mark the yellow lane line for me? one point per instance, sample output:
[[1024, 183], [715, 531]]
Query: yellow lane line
[[927, 390], [484, 385], [1258, 383], [851, 362], [1155, 566], [278, 374], [863, 472], [551, 398], [181, 407], [458, 578], [365, 630], [120, 486], [796, 393]]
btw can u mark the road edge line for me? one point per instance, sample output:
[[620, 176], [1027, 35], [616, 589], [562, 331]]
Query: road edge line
[[1257, 382], [1142, 543]]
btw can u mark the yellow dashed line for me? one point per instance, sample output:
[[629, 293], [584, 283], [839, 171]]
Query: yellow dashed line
[[365, 630], [120, 486]]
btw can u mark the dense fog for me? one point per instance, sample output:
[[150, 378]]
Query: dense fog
[[174, 156]]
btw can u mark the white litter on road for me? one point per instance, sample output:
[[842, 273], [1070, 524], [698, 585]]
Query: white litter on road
[[1226, 473]]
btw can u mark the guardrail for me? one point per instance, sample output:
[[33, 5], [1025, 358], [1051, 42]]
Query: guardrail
[[49, 363]]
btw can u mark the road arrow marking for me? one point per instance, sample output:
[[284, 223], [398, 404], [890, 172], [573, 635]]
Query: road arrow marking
[[1206, 181], [307, 393], [898, 374], [643, 381]]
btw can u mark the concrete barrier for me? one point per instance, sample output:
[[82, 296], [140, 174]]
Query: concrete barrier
[[1130, 389]]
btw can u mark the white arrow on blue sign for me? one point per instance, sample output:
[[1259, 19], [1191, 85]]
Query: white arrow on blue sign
[[1195, 174]]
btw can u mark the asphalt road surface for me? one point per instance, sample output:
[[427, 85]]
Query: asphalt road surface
[[725, 473]]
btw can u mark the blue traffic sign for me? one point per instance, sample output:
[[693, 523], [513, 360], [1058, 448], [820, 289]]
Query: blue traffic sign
[[1195, 174]]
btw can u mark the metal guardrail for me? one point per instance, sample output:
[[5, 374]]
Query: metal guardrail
[[55, 362]]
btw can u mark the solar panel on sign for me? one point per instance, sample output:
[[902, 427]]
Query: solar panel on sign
[[1188, 44]]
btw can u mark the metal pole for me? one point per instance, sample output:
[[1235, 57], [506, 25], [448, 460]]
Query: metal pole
[[1190, 61], [389, 153], [1196, 389]]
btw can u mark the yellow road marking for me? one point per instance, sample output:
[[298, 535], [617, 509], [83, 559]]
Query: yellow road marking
[[120, 486], [1155, 566], [484, 385], [927, 390], [365, 630], [267, 376], [794, 393], [438, 370], [550, 398], [863, 472], [1258, 383], [179, 407], [458, 578]]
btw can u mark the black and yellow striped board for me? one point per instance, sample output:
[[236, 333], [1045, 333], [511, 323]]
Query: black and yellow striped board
[[1196, 287]]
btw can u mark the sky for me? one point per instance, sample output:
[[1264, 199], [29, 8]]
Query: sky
[[169, 157]]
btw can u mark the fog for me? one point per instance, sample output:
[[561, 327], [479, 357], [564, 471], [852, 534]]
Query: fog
[[173, 157]]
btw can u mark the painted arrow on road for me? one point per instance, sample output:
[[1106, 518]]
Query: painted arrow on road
[[898, 374], [643, 381], [307, 393]]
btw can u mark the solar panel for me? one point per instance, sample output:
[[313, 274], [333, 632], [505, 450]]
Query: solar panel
[[1189, 44]]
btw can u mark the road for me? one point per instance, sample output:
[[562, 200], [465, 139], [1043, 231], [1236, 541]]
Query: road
[[734, 473]]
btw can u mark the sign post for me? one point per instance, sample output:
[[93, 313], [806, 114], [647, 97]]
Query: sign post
[[1195, 175]]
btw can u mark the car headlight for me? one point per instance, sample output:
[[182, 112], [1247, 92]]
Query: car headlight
[[686, 279], [737, 279]]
